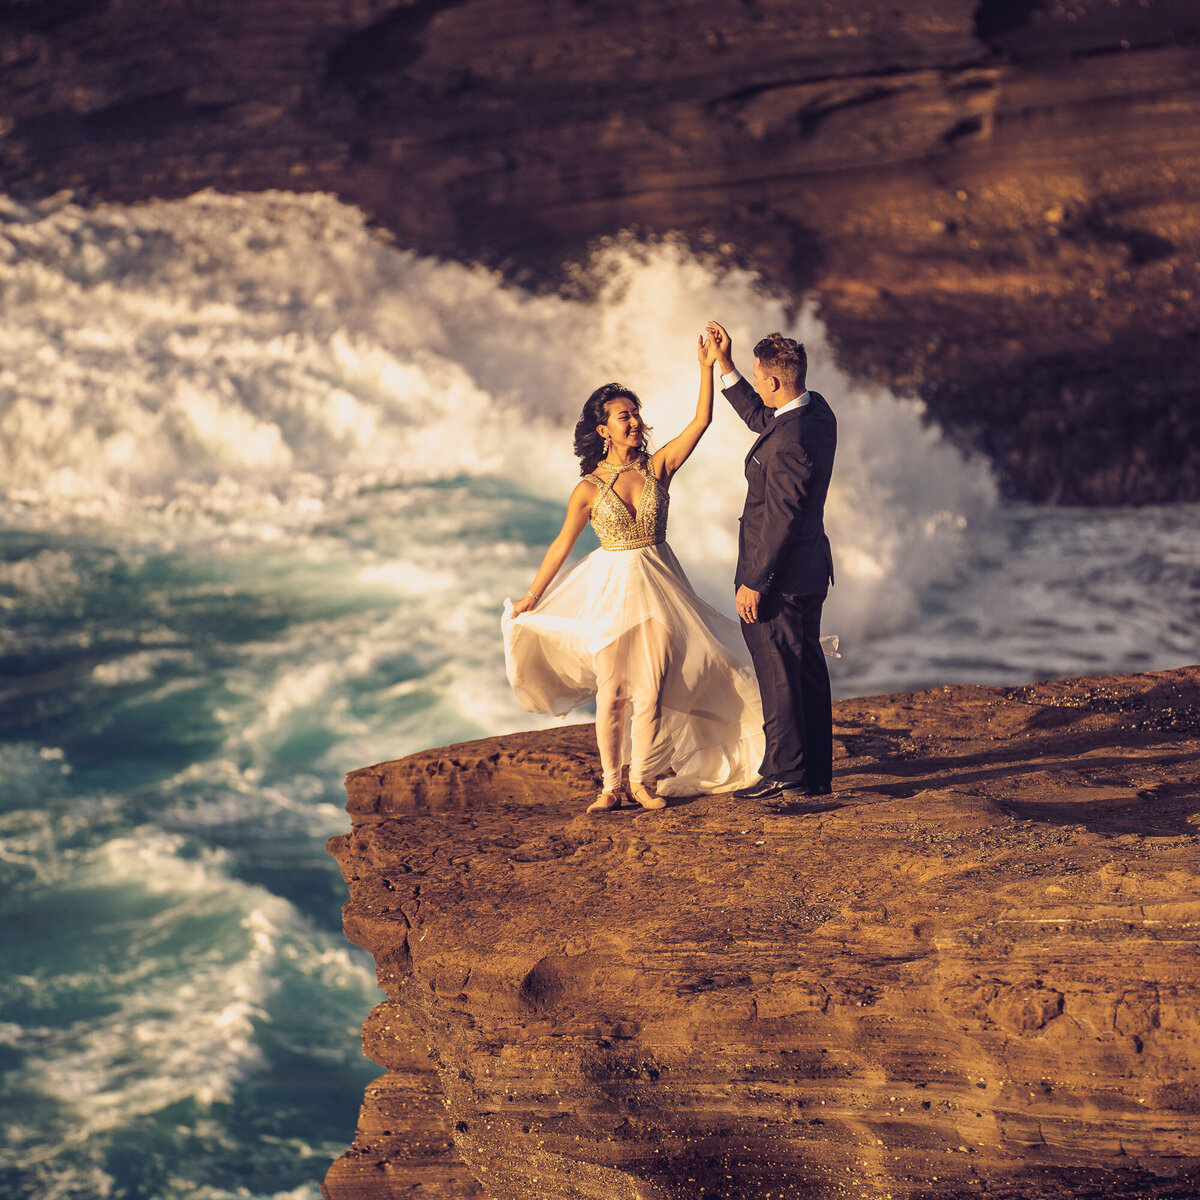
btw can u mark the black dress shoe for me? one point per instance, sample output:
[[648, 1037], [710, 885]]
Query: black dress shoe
[[765, 789], [819, 789]]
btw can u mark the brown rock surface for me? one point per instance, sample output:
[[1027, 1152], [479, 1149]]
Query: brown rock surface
[[996, 202], [972, 972]]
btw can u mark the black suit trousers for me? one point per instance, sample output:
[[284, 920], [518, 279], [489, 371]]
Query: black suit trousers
[[785, 647]]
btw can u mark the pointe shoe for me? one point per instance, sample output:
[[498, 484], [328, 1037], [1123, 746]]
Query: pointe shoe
[[645, 797], [605, 801]]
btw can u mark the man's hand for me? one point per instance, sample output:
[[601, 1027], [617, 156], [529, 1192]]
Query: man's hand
[[723, 345], [746, 603]]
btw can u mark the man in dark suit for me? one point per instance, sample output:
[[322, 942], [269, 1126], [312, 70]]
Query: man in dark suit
[[785, 565]]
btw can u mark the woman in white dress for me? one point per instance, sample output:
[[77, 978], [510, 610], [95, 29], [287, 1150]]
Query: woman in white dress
[[675, 695]]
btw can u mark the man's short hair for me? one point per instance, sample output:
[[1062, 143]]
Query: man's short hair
[[785, 358]]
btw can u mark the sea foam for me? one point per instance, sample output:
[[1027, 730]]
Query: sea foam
[[259, 361]]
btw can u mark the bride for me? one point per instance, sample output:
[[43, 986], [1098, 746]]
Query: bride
[[675, 695]]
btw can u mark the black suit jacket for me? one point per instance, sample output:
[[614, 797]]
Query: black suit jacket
[[782, 545]]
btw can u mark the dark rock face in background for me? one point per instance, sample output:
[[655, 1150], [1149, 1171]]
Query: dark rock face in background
[[995, 202]]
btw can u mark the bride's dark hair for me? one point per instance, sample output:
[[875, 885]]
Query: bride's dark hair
[[589, 445]]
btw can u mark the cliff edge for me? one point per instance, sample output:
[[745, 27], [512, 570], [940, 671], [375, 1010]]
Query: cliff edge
[[971, 972]]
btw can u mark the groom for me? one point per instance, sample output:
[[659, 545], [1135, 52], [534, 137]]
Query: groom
[[784, 565]]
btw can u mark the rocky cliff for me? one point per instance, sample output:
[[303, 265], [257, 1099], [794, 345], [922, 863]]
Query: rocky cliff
[[971, 972], [996, 202]]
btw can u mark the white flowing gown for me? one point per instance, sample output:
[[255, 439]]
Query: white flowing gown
[[626, 622]]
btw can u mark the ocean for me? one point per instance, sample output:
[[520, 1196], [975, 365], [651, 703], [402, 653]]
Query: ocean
[[265, 482]]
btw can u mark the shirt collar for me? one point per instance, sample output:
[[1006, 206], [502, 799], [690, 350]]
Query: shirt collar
[[796, 402]]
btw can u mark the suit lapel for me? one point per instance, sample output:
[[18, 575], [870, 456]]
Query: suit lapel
[[776, 423]]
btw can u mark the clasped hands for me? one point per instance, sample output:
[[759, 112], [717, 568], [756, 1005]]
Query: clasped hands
[[722, 346], [714, 350]]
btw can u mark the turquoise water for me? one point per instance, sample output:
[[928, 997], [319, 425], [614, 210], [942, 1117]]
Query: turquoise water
[[266, 482]]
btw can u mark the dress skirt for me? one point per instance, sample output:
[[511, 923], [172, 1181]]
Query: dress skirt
[[629, 621]]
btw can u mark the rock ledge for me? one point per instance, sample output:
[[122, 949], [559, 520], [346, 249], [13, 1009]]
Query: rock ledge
[[972, 972]]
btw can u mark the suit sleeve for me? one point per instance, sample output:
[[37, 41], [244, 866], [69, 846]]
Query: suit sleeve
[[748, 406], [786, 489]]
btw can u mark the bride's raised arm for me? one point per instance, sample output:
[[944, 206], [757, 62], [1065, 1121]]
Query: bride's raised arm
[[678, 450], [579, 507]]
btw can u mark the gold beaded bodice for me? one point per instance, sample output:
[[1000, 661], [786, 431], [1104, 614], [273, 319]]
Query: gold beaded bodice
[[618, 528]]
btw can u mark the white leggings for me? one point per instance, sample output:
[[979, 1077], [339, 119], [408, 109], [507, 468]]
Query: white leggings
[[629, 675]]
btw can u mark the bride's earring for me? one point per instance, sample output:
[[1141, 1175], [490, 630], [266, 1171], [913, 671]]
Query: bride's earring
[[604, 443]]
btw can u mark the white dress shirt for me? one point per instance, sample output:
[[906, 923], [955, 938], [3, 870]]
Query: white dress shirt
[[795, 402], [728, 380]]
